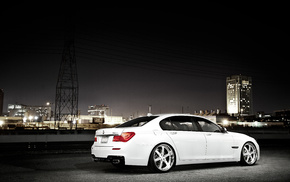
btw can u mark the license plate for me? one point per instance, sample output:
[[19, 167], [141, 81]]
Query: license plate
[[104, 139]]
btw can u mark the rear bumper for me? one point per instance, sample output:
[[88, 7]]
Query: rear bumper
[[110, 158], [133, 154]]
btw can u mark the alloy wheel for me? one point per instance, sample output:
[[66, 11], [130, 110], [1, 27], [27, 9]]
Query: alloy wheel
[[163, 157], [249, 154]]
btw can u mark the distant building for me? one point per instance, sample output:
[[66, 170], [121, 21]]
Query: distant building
[[30, 113], [100, 114], [239, 95], [98, 110], [1, 101], [284, 115]]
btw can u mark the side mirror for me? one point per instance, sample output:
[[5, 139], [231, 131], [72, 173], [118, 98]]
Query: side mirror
[[223, 129]]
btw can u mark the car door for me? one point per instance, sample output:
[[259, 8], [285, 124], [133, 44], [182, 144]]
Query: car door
[[189, 141], [218, 144]]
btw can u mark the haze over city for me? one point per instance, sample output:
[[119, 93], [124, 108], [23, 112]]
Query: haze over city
[[131, 58]]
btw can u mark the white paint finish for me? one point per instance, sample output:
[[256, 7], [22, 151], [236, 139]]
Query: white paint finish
[[190, 147]]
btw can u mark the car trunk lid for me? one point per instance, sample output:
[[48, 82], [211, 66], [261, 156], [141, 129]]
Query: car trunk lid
[[109, 132], [105, 136]]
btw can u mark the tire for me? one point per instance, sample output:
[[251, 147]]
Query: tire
[[162, 158], [249, 154]]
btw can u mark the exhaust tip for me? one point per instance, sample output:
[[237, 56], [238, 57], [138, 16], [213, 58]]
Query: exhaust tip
[[116, 161]]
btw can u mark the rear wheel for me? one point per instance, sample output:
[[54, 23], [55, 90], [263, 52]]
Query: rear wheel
[[249, 154], [162, 158]]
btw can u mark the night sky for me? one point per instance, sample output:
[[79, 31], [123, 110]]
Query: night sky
[[131, 58]]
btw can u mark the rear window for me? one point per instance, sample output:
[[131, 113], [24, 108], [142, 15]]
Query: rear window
[[137, 122]]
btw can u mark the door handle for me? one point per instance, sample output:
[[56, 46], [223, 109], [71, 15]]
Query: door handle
[[173, 133], [208, 134]]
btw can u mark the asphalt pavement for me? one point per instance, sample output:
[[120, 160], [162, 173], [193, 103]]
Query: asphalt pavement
[[274, 165]]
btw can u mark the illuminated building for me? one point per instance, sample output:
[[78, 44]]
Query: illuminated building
[[1, 101], [98, 110], [98, 113], [239, 95], [30, 113]]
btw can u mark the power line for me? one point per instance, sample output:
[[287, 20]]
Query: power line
[[119, 38], [102, 58], [193, 60], [145, 62]]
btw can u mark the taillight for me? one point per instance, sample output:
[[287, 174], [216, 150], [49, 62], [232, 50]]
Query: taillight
[[96, 139], [124, 137]]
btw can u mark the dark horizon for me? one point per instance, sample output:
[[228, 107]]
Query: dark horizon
[[131, 58]]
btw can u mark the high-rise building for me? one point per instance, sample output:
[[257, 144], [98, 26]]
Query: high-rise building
[[239, 95], [1, 101]]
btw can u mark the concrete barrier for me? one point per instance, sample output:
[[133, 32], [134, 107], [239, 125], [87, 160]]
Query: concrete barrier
[[46, 138]]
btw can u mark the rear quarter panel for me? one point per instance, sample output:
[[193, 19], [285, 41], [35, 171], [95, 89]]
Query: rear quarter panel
[[138, 149]]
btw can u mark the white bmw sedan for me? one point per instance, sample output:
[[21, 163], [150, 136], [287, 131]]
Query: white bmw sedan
[[163, 141]]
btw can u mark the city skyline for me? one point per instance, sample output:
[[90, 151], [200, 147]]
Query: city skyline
[[131, 58]]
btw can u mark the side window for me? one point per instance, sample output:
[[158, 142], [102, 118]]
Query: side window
[[179, 124], [208, 126], [166, 125]]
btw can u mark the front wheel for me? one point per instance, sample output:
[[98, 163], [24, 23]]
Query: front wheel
[[249, 154], [162, 158]]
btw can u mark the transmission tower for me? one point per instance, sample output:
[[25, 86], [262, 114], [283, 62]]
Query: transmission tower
[[67, 87]]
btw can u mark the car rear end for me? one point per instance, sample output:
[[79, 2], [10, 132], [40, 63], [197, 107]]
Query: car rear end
[[126, 146], [108, 144], [130, 143]]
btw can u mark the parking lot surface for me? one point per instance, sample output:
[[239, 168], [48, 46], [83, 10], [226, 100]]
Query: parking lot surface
[[274, 165]]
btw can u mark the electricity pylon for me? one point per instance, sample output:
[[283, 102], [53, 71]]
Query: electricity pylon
[[67, 87]]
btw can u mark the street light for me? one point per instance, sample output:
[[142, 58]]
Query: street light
[[50, 113], [225, 122]]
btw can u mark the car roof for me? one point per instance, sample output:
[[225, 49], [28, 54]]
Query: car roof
[[175, 114]]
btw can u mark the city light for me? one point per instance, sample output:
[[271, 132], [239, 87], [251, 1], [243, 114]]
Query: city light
[[225, 122], [1, 122], [256, 124]]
